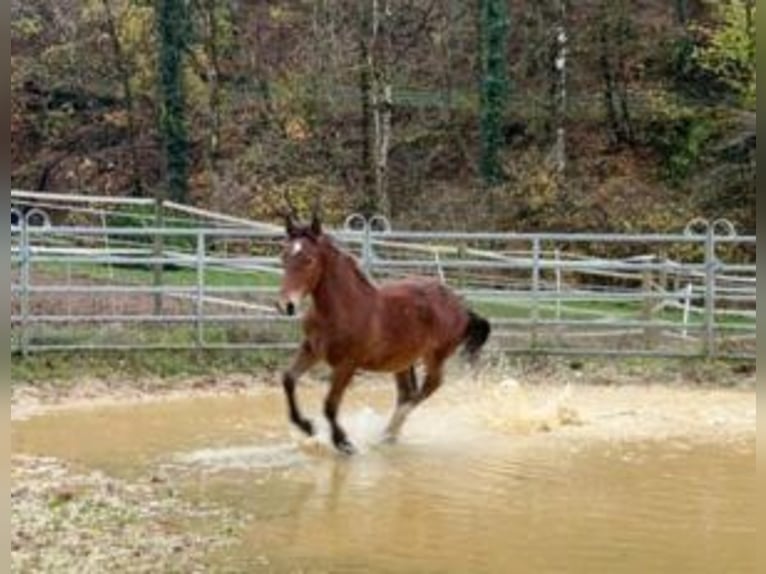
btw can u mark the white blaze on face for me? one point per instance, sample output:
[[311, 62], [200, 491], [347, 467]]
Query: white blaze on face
[[293, 297]]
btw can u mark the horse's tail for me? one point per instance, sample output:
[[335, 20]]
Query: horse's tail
[[476, 334]]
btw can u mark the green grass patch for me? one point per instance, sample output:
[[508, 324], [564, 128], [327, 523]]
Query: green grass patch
[[170, 335], [593, 310], [175, 277]]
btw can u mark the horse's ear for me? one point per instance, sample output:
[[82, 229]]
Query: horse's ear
[[290, 227], [316, 223]]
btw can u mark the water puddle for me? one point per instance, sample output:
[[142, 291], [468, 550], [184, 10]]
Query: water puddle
[[485, 478]]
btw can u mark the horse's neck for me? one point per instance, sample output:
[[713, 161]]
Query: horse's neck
[[342, 284]]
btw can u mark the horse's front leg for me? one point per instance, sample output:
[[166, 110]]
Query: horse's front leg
[[341, 377], [303, 361], [406, 391]]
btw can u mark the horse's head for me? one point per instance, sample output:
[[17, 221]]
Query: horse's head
[[302, 262]]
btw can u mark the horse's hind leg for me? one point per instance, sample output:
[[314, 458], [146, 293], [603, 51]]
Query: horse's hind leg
[[408, 387], [434, 377], [341, 377], [303, 361], [406, 391]]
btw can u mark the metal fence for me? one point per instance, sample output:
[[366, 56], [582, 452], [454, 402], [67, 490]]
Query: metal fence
[[131, 288]]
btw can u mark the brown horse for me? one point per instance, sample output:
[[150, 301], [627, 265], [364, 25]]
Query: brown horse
[[355, 325]]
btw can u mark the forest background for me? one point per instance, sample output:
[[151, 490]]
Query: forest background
[[587, 115]]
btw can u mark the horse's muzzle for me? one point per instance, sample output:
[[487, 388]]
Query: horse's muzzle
[[286, 308]]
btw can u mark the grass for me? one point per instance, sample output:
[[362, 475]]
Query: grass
[[176, 277], [159, 334], [185, 363], [516, 309], [574, 310], [55, 366], [66, 365]]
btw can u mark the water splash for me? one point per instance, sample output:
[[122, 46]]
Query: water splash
[[244, 457], [364, 427], [503, 403]]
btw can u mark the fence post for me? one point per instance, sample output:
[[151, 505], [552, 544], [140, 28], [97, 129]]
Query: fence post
[[461, 254], [110, 267], [535, 288], [157, 252], [25, 255], [200, 302], [68, 287], [439, 269], [557, 256], [559, 329], [367, 249], [710, 270], [663, 274], [688, 290], [648, 308]]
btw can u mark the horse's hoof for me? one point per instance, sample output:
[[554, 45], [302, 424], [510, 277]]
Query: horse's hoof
[[345, 447], [389, 438], [306, 426]]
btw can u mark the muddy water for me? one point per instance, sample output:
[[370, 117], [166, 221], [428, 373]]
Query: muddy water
[[492, 480]]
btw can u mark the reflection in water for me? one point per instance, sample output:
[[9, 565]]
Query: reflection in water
[[499, 480]]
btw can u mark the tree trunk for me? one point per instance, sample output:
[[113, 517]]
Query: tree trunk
[[172, 32], [612, 30], [248, 21], [561, 87], [382, 101], [130, 108], [367, 200], [622, 32], [493, 44], [213, 77], [446, 67], [607, 77]]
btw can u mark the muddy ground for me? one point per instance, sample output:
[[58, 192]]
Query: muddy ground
[[70, 519]]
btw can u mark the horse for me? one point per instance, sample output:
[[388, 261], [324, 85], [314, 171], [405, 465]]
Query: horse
[[355, 325]]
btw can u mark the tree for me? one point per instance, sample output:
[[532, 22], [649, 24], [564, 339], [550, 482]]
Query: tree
[[382, 99], [494, 25], [173, 39], [386, 102], [212, 39], [728, 48], [616, 33], [366, 94], [559, 84], [124, 71]]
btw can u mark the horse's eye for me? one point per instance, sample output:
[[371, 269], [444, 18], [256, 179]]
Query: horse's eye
[[299, 257], [304, 258]]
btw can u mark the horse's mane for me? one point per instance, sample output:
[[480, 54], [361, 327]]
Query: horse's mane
[[357, 271], [351, 262]]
